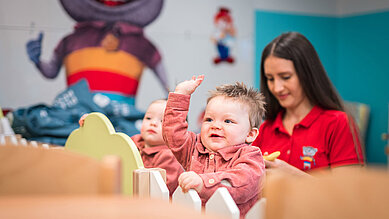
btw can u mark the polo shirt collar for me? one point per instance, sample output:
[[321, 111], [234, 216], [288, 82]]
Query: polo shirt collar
[[306, 122], [312, 116], [277, 125]]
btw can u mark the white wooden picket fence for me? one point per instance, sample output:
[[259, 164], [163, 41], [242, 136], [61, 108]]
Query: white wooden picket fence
[[150, 183]]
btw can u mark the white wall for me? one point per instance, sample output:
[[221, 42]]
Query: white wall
[[182, 34], [320, 7], [348, 7], [20, 82]]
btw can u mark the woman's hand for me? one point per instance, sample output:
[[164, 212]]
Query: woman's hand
[[280, 165]]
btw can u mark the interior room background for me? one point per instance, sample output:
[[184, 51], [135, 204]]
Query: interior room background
[[351, 37]]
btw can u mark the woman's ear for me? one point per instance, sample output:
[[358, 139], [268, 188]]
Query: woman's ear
[[252, 135]]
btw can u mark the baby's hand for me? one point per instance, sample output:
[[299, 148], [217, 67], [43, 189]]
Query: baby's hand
[[189, 86], [81, 121], [190, 180]]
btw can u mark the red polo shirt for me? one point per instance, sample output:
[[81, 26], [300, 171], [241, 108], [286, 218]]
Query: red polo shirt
[[322, 139], [162, 157]]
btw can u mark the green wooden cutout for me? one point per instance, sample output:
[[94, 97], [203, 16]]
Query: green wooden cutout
[[98, 138]]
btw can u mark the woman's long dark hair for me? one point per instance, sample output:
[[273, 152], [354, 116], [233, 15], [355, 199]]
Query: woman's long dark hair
[[313, 78]]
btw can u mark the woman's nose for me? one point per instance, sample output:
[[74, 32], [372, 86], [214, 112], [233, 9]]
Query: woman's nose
[[278, 85]]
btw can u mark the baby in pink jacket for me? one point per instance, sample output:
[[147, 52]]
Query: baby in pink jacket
[[151, 146], [222, 151]]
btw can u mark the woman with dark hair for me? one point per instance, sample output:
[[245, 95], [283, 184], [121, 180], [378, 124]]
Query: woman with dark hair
[[305, 118]]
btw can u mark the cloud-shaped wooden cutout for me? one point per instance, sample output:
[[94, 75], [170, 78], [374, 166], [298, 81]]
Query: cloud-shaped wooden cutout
[[97, 138]]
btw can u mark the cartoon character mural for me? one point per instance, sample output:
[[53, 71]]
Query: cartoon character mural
[[104, 58], [107, 48], [224, 35]]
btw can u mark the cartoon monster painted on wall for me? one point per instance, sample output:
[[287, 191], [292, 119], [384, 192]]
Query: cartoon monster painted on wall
[[107, 48], [223, 36]]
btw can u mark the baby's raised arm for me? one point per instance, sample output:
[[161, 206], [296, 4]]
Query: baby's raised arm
[[189, 86]]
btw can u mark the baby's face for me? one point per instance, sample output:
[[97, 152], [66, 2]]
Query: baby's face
[[151, 130], [226, 123]]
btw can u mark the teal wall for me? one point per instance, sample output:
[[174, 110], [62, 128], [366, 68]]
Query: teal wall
[[321, 31], [352, 50], [363, 72]]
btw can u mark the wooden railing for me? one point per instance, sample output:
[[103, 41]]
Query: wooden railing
[[97, 138]]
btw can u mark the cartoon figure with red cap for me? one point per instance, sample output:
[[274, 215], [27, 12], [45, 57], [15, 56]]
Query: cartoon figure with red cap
[[224, 35]]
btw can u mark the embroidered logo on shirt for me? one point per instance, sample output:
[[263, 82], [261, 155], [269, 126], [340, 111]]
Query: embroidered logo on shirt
[[308, 154]]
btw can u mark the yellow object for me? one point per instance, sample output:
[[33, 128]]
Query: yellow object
[[1, 113], [118, 62], [98, 138], [272, 156]]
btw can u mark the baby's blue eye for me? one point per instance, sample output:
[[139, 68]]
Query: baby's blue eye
[[227, 121], [207, 120]]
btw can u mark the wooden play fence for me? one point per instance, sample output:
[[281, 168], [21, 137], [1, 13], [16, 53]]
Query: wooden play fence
[[149, 183], [98, 139], [28, 167], [32, 156]]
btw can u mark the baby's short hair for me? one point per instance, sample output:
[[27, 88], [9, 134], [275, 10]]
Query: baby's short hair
[[158, 100], [250, 97]]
